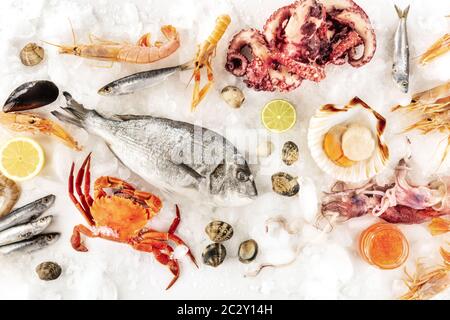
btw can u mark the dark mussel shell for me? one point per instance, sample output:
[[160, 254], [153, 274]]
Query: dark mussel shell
[[31, 95]]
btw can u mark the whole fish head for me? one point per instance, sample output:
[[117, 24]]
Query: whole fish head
[[402, 81], [45, 203], [232, 184]]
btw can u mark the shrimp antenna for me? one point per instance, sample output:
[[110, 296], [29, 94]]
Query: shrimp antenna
[[52, 44], [73, 32]]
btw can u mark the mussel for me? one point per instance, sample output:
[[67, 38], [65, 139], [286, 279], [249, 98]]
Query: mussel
[[31, 54], [285, 184], [219, 231], [233, 96], [48, 271], [31, 95], [289, 153], [248, 250], [214, 254]]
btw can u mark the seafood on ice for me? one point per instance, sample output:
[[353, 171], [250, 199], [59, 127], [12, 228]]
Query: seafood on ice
[[428, 281], [31, 95], [122, 216], [398, 202], [348, 142], [299, 41], [142, 52], [400, 67], [33, 123], [203, 59], [25, 231], [9, 194], [27, 246], [172, 155], [433, 108]]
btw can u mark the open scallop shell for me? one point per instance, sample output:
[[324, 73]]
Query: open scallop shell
[[355, 112]]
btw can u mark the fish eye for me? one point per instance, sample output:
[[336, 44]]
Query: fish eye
[[107, 89], [242, 176]]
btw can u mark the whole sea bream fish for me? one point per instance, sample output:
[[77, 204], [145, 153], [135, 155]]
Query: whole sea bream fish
[[174, 156]]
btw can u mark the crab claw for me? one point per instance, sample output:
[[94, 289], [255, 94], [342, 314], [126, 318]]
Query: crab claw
[[76, 242]]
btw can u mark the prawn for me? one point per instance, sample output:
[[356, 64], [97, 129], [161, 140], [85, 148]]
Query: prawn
[[28, 122], [140, 53], [440, 47], [205, 53]]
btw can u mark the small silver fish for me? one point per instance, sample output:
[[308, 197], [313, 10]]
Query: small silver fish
[[400, 68], [172, 155], [26, 213], [33, 244], [140, 80], [24, 231]]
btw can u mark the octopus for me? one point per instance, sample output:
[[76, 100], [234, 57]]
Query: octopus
[[298, 41], [398, 202]]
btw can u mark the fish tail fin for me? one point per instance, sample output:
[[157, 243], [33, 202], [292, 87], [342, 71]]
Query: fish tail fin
[[77, 113], [402, 13]]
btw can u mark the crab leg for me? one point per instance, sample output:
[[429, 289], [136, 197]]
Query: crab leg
[[175, 222], [164, 236], [75, 240], [156, 247], [86, 214], [87, 183], [79, 182]]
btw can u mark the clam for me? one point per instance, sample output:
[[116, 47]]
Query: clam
[[31, 95], [219, 231], [348, 142], [285, 184], [48, 271], [233, 96], [214, 254], [248, 250], [289, 153], [31, 54]]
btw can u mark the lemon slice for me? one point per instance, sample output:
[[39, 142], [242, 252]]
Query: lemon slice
[[278, 116], [21, 159]]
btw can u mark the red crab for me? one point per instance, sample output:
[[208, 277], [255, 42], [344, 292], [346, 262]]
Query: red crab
[[121, 215]]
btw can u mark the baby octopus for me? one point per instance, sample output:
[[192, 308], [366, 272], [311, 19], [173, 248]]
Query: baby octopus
[[298, 41]]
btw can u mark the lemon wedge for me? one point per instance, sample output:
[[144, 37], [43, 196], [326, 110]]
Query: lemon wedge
[[278, 116], [21, 159]]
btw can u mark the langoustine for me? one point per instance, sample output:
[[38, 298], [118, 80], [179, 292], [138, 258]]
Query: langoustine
[[298, 41], [142, 52], [398, 202], [28, 122], [428, 281]]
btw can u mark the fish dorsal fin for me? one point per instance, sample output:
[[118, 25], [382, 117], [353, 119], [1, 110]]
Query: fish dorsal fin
[[126, 117]]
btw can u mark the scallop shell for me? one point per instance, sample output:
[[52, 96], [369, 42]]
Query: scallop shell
[[31, 54], [214, 254], [289, 153], [355, 112], [285, 184], [219, 231], [248, 250]]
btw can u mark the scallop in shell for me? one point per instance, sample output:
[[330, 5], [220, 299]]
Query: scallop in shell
[[285, 184], [214, 254], [289, 153], [248, 250], [31, 54], [219, 231], [356, 127]]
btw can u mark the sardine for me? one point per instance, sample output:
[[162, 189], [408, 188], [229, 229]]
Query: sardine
[[24, 231], [400, 68], [140, 80], [27, 213], [33, 244], [172, 155]]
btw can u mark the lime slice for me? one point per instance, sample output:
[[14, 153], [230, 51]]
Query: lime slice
[[21, 159], [278, 116]]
